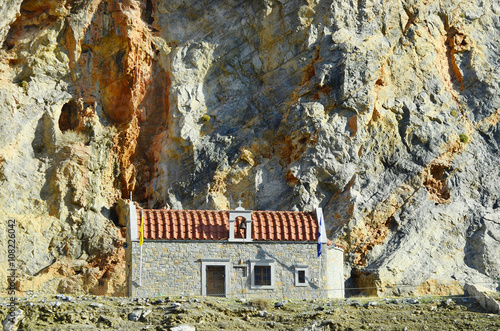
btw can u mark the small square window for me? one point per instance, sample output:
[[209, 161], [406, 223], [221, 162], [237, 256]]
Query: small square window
[[301, 275]]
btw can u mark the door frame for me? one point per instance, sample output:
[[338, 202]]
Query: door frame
[[215, 262]]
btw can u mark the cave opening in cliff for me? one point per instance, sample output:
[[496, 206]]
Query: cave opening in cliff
[[147, 15], [68, 120], [436, 185]]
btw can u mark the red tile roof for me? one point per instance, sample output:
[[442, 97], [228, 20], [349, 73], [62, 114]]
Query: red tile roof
[[214, 225]]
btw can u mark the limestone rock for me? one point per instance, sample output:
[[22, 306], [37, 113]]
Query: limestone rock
[[8, 13], [146, 312], [480, 295], [280, 304], [183, 327], [12, 320], [135, 315], [385, 114]]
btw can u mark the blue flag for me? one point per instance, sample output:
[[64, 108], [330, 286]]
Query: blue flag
[[320, 238]]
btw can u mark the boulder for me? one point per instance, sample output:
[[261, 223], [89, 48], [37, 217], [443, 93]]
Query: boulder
[[183, 327], [135, 315], [481, 296], [12, 320]]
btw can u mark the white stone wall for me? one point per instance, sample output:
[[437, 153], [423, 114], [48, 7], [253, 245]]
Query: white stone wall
[[335, 273], [174, 268]]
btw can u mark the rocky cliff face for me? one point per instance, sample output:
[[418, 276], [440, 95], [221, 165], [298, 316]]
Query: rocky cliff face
[[384, 113]]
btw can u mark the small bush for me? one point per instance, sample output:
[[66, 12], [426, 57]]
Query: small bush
[[24, 84], [205, 118], [463, 138], [260, 303]]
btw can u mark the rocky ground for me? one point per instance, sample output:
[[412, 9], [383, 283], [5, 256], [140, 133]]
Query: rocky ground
[[202, 313], [383, 112]]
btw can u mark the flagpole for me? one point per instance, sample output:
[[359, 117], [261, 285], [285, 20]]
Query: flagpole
[[141, 240], [319, 282], [140, 270]]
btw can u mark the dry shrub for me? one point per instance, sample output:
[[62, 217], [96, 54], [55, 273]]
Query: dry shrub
[[260, 303]]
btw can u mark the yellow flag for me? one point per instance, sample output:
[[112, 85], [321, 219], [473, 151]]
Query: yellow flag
[[141, 239]]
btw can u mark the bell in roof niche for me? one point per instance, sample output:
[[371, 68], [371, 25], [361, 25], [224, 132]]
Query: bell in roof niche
[[243, 224], [240, 224]]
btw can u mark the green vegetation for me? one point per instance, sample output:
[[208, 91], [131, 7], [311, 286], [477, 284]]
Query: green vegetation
[[205, 118], [24, 84], [260, 303], [454, 113], [464, 138]]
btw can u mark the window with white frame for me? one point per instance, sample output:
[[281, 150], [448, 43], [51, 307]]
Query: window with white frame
[[301, 275], [262, 274]]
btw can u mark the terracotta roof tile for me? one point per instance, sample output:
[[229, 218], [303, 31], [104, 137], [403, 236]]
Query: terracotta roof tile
[[214, 225]]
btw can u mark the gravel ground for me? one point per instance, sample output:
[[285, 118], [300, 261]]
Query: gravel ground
[[207, 313]]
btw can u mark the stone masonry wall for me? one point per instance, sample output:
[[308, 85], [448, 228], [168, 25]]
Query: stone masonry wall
[[174, 268]]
